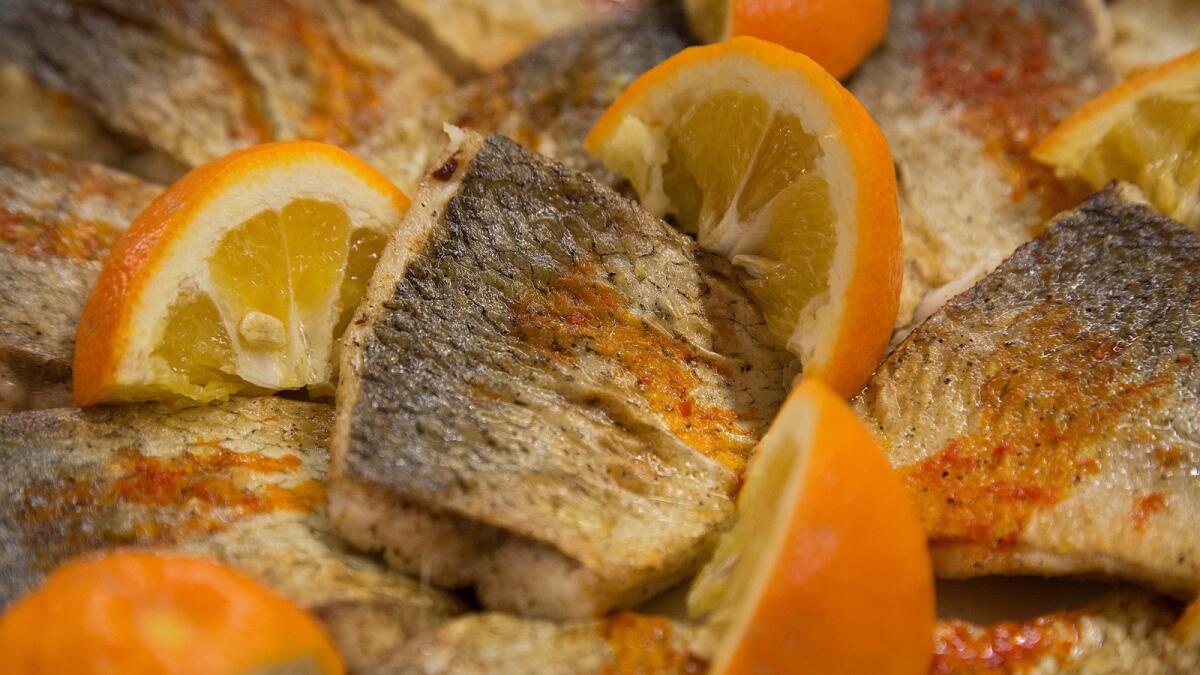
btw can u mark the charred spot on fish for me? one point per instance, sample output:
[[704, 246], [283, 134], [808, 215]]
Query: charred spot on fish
[[446, 171]]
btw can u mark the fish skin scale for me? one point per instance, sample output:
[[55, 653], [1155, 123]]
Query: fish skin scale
[[546, 437]]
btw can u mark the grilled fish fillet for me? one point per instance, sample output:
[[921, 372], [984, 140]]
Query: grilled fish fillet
[[547, 99], [963, 89], [240, 481], [1046, 420], [548, 393], [501, 644], [199, 79], [57, 220], [1123, 633], [1148, 32]]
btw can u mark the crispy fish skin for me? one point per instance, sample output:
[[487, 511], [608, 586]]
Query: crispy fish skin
[[197, 80], [58, 218], [548, 393], [1120, 633], [239, 481], [547, 99], [963, 89], [501, 644], [1045, 419]]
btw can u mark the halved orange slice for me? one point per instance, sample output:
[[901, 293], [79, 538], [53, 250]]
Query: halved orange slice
[[242, 276], [145, 612], [827, 569], [772, 163]]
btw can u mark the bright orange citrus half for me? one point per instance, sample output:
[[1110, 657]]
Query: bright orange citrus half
[[838, 34], [135, 612], [241, 277], [827, 569], [773, 164]]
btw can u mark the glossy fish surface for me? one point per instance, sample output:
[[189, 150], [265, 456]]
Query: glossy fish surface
[[548, 394]]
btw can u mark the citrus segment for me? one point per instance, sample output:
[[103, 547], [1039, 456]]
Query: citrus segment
[[773, 164], [827, 569], [142, 612], [1145, 131], [241, 277], [834, 33]]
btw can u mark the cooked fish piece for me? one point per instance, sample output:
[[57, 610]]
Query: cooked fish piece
[[1149, 32], [474, 36], [240, 481], [548, 393], [547, 99], [1122, 633], [58, 219], [501, 644], [1046, 419], [963, 90], [32, 114], [199, 79]]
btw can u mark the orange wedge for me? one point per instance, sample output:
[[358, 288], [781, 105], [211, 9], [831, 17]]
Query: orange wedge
[[772, 163], [827, 569], [1187, 630], [1145, 131], [140, 612], [241, 277], [838, 34]]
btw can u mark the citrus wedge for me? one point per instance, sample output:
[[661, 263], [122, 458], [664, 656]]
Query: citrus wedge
[[772, 163], [1145, 131], [143, 612], [835, 33], [827, 569], [240, 277]]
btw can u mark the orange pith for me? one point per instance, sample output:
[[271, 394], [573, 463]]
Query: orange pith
[[139, 256], [135, 612], [791, 179], [834, 33], [840, 579]]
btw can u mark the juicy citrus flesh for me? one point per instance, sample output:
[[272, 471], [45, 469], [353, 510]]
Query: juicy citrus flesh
[[771, 163], [143, 612], [827, 569], [1146, 132], [240, 278]]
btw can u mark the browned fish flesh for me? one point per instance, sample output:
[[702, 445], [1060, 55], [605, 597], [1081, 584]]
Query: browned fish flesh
[[548, 393], [58, 219], [963, 89], [1122, 633], [199, 79], [1149, 32], [1046, 419], [240, 481], [547, 99], [501, 644]]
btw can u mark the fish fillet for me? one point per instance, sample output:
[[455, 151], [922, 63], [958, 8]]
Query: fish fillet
[[547, 99], [57, 220], [199, 79], [548, 394], [1148, 32], [240, 481], [963, 89], [1046, 421]]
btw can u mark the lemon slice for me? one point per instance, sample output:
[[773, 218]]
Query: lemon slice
[[773, 164], [1145, 131], [242, 276]]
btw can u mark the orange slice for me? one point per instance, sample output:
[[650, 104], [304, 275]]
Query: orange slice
[[835, 33], [1145, 131], [1187, 630], [242, 276], [772, 163], [141, 612], [827, 569]]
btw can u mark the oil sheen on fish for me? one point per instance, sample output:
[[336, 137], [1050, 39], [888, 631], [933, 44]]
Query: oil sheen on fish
[[963, 89], [57, 220], [199, 79], [547, 99], [1047, 421], [548, 393], [502, 644], [240, 481]]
